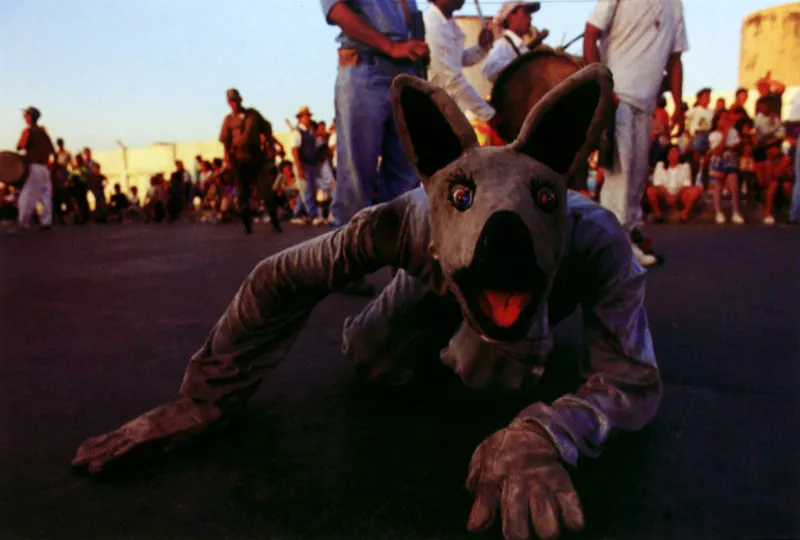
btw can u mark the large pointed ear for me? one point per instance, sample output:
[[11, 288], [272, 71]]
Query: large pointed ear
[[432, 128], [564, 127]]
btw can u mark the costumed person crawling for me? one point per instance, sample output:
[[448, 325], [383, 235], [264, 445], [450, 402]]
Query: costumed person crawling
[[492, 238]]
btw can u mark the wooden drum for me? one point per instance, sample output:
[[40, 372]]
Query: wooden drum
[[13, 168]]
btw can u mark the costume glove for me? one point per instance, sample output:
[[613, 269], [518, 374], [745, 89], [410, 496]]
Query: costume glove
[[167, 425], [518, 469]]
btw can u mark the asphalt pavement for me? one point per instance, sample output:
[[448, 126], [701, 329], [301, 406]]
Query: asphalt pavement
[[97, 324]]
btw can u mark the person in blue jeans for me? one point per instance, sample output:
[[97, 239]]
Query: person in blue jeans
[[375, 46], [304, 151]]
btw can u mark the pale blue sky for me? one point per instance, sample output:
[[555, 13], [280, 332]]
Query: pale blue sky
[[156, 70]]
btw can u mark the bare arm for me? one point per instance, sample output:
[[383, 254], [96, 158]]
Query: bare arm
[[675, 76], [23, 139], [623, 389], [358, 29], [301, 172], [591, 51]]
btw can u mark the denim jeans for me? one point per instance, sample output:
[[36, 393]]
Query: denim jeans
[[306, 198], [366, 131]]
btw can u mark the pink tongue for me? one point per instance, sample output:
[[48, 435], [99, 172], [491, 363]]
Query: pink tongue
[[503, 307]]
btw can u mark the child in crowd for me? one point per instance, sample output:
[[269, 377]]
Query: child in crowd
[[724, 166], [700, 122]]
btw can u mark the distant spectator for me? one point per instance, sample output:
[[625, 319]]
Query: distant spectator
[[724, 167], [660, 118], [672, 183], [773, 174], [97, 185], [119, 203], [771, 91], [737, 110], [156, 201]]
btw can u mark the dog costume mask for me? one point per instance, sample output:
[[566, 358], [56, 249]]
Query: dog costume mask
[[491, 252]]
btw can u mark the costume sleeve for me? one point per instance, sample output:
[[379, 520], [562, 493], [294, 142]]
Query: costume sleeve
[[498, 58], [681, 42], [445, 70], [623, 386], [473, 55], [268, 312], [603, 15]]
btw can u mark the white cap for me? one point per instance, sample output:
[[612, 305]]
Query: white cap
[[507, 7]]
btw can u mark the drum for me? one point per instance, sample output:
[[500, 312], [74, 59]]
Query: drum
[[525, 81], [13, 168]]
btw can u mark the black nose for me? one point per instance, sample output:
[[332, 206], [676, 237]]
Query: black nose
[[505, 255]]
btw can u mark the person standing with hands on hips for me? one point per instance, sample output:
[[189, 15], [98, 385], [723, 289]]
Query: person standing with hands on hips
[[380, 39], [638, 40]]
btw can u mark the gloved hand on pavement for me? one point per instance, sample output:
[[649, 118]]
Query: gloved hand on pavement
[[168, 424], [518, 470]]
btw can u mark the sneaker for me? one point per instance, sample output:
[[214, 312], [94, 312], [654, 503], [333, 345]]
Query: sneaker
[[769, 220], [737, 218], [297, 221], [319, 221], [644, 259], [720, 218]]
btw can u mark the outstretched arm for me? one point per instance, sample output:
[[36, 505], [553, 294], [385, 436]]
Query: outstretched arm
[[623, 389], [520, 466], [263, 320]]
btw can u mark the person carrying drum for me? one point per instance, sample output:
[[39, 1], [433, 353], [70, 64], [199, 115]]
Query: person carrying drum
[[638, 42], [448, 58], [514, 18], [38, 148]]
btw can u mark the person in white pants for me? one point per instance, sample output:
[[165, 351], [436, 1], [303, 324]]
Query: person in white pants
[[637, 41], [38, 149]]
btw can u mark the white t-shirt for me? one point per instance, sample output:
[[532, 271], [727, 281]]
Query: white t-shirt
[[716, 137], [700, 119], [448, 59], [638, 37], [673, 178], [502, 54], [297, 138]]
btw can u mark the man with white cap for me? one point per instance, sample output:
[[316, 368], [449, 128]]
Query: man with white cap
[[448, 58], [514, 18], [38, 148]]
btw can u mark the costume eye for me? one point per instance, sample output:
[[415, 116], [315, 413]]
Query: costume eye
[[461, 196], [546, 199]]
